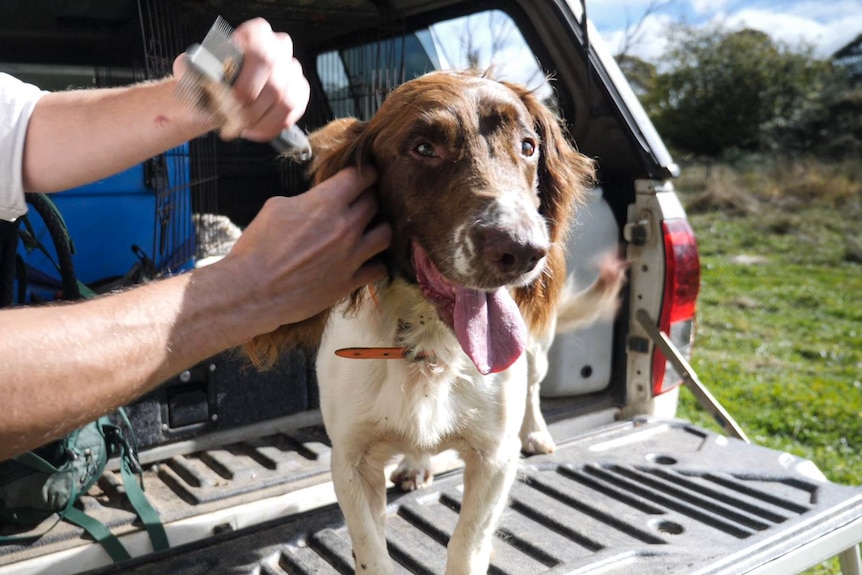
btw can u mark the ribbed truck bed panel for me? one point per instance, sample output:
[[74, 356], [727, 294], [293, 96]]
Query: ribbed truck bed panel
[[639, 497]]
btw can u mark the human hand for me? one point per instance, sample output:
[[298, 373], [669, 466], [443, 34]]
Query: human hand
[[271, 93], [304, 253]]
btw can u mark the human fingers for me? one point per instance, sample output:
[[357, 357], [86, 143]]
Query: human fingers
[[369, 273], [364, 208], [258, 43], [345, 186], [281, 103], [264, 118], [180, 66], [271, 87], [298, 92], [373, 242]]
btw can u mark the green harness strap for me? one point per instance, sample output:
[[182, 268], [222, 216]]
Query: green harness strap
[[117, 445], [99, 532], [135, 492], [31, 242]]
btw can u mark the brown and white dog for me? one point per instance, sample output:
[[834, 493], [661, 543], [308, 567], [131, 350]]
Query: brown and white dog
[[480, 185]]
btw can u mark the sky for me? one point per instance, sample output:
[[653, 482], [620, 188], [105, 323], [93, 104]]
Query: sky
[[827, 25]]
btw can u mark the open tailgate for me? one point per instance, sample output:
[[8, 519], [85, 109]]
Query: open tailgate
[[645, 496]]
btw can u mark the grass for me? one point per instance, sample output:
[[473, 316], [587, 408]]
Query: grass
[[779, 334]]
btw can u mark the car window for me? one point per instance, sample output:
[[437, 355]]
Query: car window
[[357, 78]]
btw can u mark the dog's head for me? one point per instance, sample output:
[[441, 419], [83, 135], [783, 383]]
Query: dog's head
[[479, 183]]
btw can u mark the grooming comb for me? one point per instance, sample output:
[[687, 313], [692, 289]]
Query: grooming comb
[[213, 66]]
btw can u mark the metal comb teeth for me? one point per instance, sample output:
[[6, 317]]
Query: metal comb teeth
[[218, 43], [212, 67]]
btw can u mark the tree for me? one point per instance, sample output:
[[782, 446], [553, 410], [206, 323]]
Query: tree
[[640, 74], [730, 89]]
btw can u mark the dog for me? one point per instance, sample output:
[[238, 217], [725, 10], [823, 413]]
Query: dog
[[480, 184]]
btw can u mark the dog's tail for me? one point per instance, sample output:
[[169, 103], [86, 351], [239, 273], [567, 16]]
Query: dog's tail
[[599, 300]]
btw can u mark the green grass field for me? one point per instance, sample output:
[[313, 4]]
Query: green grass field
[[779, 334]]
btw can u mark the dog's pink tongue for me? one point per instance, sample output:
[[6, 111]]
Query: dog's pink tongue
[[489, 327]]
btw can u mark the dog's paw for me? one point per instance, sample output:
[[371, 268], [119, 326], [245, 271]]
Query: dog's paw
[[537, 442], [412, 474]]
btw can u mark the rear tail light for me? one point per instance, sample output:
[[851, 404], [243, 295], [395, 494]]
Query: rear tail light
[[682, 284]]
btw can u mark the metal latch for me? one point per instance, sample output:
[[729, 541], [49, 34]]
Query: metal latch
[[637, 233]]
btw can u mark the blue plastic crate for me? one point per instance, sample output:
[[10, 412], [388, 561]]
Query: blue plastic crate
[[147, 206]]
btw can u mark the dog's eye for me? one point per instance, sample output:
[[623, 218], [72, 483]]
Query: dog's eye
[[425, 149], [528, 148]]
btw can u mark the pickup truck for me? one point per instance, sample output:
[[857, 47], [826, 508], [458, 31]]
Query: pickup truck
[[235, 461]]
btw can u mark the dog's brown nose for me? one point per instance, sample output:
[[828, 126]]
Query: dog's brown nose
[[512, 255]]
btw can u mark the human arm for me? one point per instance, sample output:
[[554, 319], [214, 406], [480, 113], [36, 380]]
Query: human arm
[[79, 136], [64, 365]]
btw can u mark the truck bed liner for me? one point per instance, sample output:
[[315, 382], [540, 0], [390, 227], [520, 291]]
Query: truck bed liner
[[644, 496]]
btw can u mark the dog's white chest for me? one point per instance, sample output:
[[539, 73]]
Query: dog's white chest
[[424, 403]]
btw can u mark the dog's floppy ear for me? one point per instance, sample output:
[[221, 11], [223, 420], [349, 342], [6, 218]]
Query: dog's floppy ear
[[564, 174], [335, 146]]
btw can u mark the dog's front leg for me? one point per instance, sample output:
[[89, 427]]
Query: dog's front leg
[[488, 478], [535, 437], [360, 486]]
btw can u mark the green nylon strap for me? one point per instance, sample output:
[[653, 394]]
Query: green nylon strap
[[32, 242], [99, 532], [82, 287], [145, 511], [53, 206], [143, 508], [85, 291], [149, 516], [134, 490]]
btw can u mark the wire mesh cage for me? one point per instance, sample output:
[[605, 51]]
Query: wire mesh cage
[[355, 82], [184, 179]]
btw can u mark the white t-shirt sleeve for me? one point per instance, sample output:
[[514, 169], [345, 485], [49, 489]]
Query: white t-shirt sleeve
[[17, 101]]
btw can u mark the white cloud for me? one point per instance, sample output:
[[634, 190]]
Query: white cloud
[[841, 21], [820, 11], [650, 42], [616, 15], [784, 27], [826, 27], [708, 6], [796, 28]]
